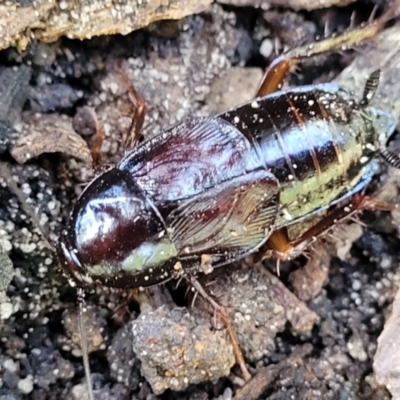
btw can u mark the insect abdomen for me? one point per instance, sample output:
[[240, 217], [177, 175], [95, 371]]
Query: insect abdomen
[[315, 141]]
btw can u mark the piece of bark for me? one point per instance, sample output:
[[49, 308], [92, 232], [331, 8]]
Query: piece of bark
[[49, 20], [49, 133], [16, 22], [295, 4]]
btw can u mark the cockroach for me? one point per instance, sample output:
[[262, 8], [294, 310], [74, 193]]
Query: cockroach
[[210, 191]]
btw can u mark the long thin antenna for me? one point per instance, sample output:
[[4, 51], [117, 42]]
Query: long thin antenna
[[84, 346]]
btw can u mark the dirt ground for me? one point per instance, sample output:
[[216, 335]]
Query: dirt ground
[[310, 333]]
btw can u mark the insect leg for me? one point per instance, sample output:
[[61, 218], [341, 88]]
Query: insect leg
[[139, 112], [231, 331], [95, 148], [275, 74], [279, 245]]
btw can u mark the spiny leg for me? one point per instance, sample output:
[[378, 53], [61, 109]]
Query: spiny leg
[[139, 112], [95, 148], [279, 245], [275, 74], [86, 124], [224, 316]]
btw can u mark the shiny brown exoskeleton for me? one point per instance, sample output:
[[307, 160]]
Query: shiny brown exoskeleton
[[221, 186]]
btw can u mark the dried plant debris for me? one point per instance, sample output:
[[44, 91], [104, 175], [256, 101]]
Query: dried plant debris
[[49, 133], [266, 375], [82, 19]]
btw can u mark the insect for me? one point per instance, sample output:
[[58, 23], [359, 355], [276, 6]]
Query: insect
[[210, 191], [269, 176]]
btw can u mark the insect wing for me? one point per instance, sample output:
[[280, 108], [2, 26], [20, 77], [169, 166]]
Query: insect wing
[[189, 159], [236, 215]]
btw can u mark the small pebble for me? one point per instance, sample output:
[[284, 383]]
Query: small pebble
[[26, 385], [6, 310], [266, 48]]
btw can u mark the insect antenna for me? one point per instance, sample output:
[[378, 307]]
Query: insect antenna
[[390, 158], [7, 176], [370, 87], [84, 345]]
